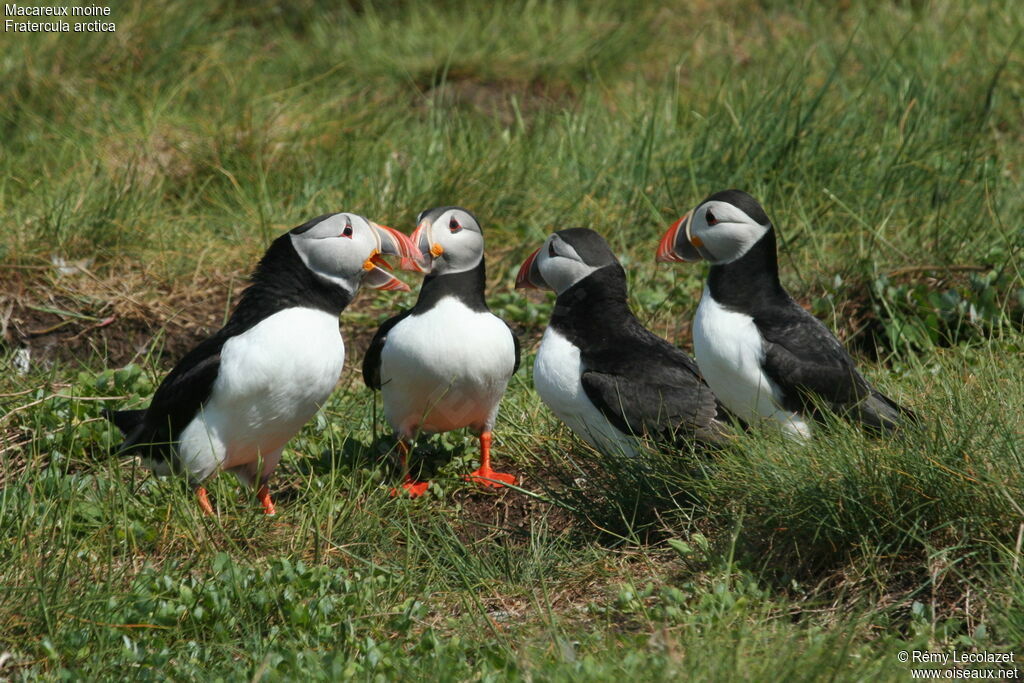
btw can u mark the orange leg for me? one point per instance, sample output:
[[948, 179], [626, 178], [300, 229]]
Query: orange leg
[[485, 475], [414, 488], [204, 501], [268, 505]]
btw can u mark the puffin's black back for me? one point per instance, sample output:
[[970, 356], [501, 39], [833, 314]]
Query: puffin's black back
[[594, 314], [642, 383], [280, 281]]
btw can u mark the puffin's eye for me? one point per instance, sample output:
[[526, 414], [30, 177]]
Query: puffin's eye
[[710, 217], [453, 225], [347, 232], [551, 249]]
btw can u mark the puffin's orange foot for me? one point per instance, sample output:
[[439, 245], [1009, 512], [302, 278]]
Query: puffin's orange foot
[[484, 477], [268, 505], [204, 501], [415, 489]]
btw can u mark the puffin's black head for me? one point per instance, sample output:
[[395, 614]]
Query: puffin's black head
[[449, 240], [720, 230], [346, 249], [565, 258]]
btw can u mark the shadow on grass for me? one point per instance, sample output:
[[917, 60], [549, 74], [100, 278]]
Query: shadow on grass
[[639, 500]]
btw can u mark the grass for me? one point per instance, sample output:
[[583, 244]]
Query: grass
[[883, 139]]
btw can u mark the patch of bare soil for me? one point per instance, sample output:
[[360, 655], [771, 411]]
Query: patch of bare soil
[[504, 99], [81, 318], [489, 514]]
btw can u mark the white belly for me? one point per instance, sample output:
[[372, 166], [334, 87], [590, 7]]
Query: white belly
[[272, 380], [556, 377], [445, 369], [729, 352]]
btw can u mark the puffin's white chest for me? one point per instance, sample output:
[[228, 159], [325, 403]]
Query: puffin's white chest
[[556, 377], [445, 369], [272, 380], [730, 353]]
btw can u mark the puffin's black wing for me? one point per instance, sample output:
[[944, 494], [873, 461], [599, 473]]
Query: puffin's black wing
[[515, 341], [371, 361], [804, 359], [654, 390], [177, 400], [807, 362]]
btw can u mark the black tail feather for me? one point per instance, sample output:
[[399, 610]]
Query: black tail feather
[[125, 420], [880, 413]]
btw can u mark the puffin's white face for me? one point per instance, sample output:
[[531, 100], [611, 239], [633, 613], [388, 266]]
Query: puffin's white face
[[560, 265], [450, 242], [346, 249], [722, 232]]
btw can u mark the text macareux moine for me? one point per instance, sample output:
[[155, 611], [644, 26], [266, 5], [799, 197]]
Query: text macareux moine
[[15, 10]]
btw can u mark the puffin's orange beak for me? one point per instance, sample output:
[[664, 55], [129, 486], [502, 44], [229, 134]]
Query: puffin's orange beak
[[420, 238], [675, 247], [378, 260], [389, 283], [523, 280], [667, 246], [391, 242]]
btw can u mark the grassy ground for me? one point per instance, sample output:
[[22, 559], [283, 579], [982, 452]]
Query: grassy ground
[[155, 164]]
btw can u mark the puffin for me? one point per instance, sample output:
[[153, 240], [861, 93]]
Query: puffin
[[234, 401], [599, 370], [444, 364], [765, 357]]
